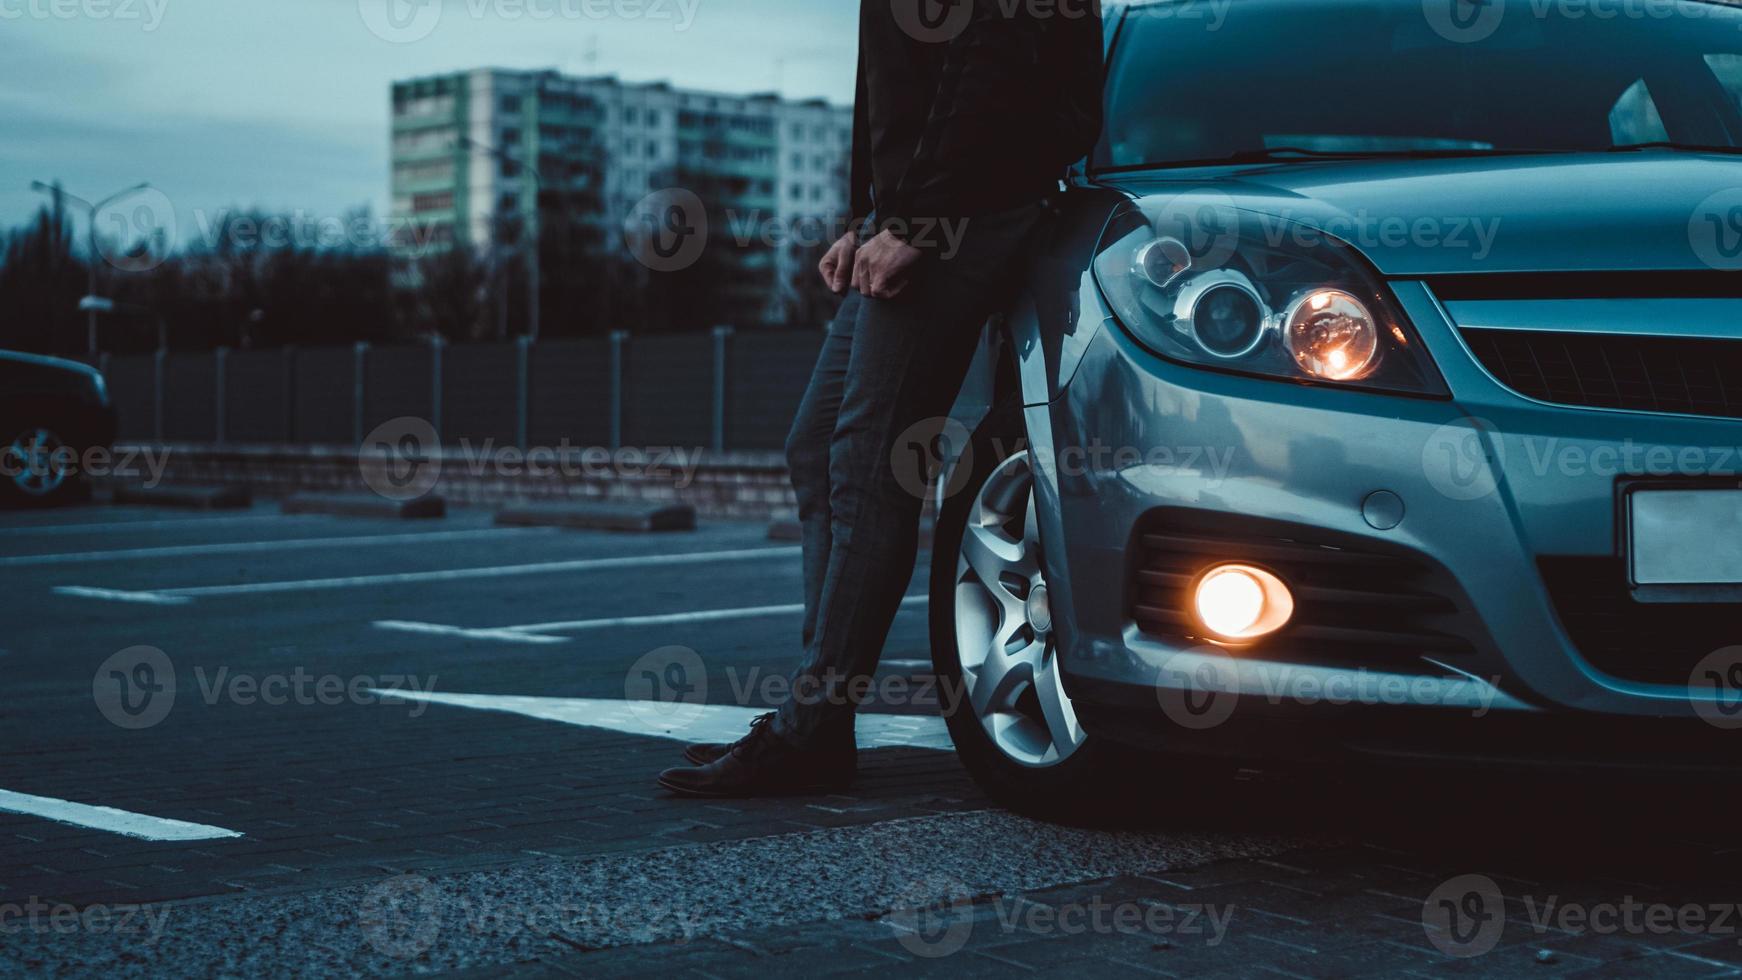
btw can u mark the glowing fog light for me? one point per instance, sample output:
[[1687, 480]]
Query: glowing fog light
[[1332, 335], [1240, 602]]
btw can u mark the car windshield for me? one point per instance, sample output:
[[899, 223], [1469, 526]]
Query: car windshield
[[1192, 81]]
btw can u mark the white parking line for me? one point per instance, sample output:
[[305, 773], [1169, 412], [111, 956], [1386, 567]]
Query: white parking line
[[121, 595], [437, 629], [107, 818], [242, 547], [532, 632], [682, 720], [178, 596], [159, 525]]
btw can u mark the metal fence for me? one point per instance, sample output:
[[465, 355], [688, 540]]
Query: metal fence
[[724, 390]]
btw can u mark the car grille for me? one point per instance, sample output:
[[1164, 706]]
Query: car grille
[[1645, 642], [1354, 606], [1688, 376]]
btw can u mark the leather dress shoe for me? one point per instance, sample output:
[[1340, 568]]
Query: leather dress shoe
[[764, 764]]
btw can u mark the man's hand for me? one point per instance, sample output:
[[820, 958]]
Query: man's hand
[[837, 265], [881, 269]]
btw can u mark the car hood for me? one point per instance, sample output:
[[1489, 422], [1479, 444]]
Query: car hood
[[1639, 211]]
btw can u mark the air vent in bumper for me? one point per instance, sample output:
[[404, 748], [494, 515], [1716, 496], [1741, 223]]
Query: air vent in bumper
[[1648, 643], [1354, 605]]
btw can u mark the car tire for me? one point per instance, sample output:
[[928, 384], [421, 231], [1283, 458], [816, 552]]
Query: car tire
[[1057, 782], [28, 477]]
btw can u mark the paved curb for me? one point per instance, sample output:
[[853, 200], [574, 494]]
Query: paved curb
[[601, 516], [427, 506], [193, 497]]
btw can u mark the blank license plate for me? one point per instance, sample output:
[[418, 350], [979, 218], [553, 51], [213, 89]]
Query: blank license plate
[[1686, 537]]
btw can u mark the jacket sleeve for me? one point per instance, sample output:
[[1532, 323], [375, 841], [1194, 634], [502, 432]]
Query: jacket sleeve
[[1016, 87], [859, 170]]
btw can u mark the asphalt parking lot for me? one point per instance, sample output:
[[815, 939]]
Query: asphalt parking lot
[[248, 742]]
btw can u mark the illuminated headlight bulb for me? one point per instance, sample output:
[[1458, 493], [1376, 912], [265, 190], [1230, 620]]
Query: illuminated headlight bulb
[[1332, 335], [1241, 603]]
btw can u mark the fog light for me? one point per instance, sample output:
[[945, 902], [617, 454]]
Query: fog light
[[1241, 603]]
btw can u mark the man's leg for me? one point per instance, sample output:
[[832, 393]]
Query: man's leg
[[807, 453], [908, 358]]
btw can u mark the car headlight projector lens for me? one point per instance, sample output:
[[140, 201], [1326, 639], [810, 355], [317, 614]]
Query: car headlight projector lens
[[1332, 335], [1223, 313], [1241, 603]]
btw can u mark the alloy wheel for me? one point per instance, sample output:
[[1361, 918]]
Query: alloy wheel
[[35, 463], [1004, 633]]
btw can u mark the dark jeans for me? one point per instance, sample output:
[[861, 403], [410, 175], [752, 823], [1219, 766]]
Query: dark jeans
[[889, 372]]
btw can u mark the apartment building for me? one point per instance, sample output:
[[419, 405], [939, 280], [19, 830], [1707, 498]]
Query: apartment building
[[483, 158]]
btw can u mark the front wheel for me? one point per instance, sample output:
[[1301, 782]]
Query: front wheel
[[993, 646]]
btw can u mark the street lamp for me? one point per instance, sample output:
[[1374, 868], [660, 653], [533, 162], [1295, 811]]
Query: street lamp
[[55, 191], [529, 235]]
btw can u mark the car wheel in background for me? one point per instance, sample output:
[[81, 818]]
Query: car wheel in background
[[36, 468]]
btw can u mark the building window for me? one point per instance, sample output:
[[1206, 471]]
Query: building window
[[421, 203]]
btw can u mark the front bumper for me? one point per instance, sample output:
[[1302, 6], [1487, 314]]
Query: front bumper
[[1133, 435]]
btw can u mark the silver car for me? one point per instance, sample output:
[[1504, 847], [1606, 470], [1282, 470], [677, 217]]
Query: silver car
[[1375, 395]]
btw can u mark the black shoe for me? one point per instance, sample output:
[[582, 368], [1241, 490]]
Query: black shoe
[[702, 753], [705, 753], [762, 764]]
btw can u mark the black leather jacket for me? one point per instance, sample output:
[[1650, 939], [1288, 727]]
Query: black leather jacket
[[967, 107]]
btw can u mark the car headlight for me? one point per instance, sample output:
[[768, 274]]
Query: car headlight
[[1257, 295]]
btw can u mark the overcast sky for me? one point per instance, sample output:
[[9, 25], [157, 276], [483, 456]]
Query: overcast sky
[[283, 104]]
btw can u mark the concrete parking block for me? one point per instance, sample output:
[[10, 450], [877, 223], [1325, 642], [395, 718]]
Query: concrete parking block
[[188, 497], [601, 516], [428, 506]]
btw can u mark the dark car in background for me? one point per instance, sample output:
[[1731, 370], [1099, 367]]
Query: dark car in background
[[53, 413]]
